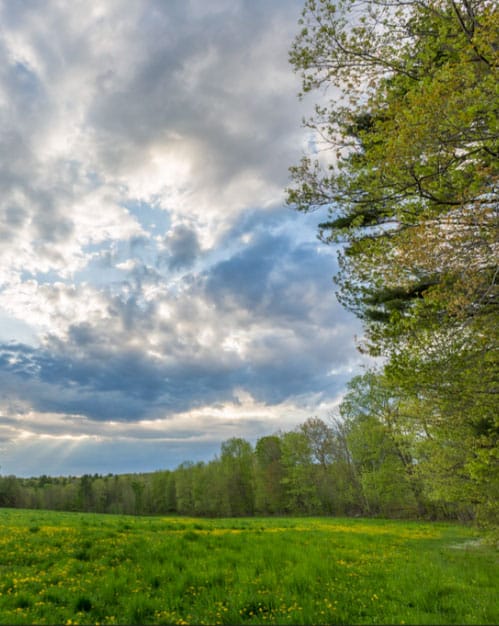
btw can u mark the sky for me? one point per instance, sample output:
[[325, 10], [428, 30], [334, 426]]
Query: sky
[[157, 296]]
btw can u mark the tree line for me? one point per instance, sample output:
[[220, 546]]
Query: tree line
[[371, 459]]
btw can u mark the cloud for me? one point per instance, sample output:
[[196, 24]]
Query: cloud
[[257, 320], [148, 272], [183, 247], [191, 110]]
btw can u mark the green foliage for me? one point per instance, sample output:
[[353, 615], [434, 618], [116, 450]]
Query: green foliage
[[411, 191], [237, 462], [299, 485], [269, 474], [383, 456], [234, 571]]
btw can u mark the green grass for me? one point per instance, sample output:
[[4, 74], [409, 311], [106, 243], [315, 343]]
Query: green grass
[[74, 568]]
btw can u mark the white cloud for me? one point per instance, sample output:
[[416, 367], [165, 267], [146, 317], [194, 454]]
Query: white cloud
[[144, 259], [53, 308]]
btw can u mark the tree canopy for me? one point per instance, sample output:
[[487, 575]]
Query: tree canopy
[[410, 186]]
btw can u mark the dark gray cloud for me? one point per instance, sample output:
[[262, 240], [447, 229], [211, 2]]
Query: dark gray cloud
[[183, 248]]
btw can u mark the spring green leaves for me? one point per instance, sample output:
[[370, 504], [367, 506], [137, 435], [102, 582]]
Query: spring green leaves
[[411, 191]]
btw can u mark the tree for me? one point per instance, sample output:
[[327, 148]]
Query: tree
[[411, 189], [161, 492], [237, 462], [269, 472], [347, 495], [86, 493], [184, 492], [382, 441], [10, 491], [321, 441]]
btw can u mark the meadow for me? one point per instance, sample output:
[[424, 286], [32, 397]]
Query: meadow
[[74, 568]]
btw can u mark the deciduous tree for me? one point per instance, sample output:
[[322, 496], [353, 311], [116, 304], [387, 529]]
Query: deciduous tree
[[411, 189]]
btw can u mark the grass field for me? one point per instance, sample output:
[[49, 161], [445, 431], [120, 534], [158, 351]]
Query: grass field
[[72, 568]]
